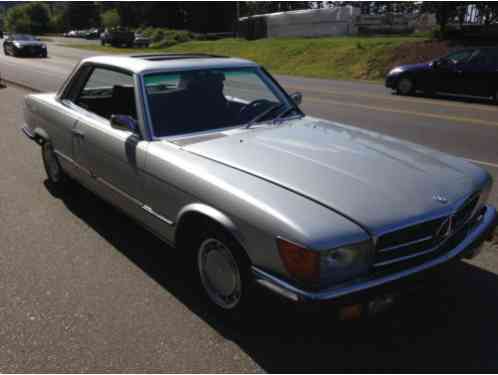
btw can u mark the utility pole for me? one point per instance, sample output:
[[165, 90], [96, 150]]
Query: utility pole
[[237, 16]]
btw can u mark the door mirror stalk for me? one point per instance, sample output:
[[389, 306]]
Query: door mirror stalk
[[125, 123], [297, 98]]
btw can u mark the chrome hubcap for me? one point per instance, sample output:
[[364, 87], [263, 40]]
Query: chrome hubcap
[[405, 86], [219, 273], [53, 168]]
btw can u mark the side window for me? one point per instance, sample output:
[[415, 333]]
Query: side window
[[460, 56], [482, 58], [108, 92]]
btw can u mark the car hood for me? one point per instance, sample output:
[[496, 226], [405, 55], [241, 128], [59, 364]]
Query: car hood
[[25, 43], [374, 180], [415, 67]]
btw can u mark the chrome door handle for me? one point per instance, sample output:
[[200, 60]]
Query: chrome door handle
[[78, 133]]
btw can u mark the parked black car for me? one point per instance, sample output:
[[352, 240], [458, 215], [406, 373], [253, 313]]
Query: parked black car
[[24, 45], [117, 37], [471, 71]]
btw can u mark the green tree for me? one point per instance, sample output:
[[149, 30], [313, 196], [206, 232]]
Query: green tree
[[110, 18], [28, 18]]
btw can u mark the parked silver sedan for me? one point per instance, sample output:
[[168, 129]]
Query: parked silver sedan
[[215, 158]]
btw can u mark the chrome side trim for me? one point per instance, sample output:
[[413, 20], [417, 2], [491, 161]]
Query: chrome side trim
[[76, 165], [287, 290], [119, 191], [157, 216], [405, 244]]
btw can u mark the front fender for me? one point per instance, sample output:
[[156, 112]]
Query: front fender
[[212, 213]]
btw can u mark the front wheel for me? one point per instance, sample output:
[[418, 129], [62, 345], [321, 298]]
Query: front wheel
[[223, 269], [405, 86], [5, 51]]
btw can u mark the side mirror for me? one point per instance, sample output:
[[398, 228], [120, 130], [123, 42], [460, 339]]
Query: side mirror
[[297, 97], [124, 122]]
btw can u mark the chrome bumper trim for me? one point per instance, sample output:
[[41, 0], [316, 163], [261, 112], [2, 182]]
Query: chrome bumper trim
[[27, 132], [275, 284]]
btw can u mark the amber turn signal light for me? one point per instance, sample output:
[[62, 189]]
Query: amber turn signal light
[[301, 263]]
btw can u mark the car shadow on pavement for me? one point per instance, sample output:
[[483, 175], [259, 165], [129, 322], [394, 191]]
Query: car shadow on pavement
[[449, 324]]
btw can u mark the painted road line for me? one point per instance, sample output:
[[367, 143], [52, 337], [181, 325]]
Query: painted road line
[[434, 102], [410, 113]]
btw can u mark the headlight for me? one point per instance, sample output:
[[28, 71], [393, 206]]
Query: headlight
[[44, 46], [396, 71], [325, 268], [345, 263], [17, 45]]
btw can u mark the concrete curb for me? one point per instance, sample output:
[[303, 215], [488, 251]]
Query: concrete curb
[[4, 82]]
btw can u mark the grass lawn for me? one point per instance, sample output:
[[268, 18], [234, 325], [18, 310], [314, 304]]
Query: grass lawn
[[336, 58]]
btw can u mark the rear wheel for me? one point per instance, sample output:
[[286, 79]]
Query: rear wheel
[[55, 174], [405, 86]]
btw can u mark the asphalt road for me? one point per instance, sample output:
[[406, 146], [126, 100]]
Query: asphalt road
[[83, 288]]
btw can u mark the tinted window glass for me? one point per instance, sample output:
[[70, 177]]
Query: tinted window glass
[[202, 100], [460, 56], [108, 92]]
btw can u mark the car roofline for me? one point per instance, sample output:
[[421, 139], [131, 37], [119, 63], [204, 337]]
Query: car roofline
[[138, 64]]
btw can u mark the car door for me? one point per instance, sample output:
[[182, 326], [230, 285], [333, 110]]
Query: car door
[[475, 76], [114, 158], [449, 72]]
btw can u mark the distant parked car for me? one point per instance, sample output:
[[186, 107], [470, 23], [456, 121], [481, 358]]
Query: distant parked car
[[91, 34], [471, 71], [24, 45], [141, 40], [212, 155], [117, 37]]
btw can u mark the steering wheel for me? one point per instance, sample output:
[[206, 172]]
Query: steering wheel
[[254, 104]]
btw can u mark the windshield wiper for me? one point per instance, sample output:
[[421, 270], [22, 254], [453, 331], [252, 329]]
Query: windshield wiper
[[264, 114], [284, 113]]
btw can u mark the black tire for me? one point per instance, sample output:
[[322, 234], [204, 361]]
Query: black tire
[[5, 51], [55, 174], [405, 85], [230, 305]]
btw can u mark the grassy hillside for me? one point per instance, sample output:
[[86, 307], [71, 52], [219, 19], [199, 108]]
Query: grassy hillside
[[364, 58]]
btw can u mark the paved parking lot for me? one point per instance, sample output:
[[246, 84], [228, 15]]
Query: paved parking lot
[[83, 288]]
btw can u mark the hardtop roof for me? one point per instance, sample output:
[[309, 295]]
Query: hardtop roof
[[148, 63]]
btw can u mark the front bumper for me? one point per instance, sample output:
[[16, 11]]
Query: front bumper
[[31, 51], [468, 248], [391, 81]]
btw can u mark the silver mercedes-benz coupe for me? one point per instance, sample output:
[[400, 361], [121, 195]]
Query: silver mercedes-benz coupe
[[215, 158]]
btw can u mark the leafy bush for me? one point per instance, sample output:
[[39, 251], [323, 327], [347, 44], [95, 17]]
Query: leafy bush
[[157, 35], [163, 38]]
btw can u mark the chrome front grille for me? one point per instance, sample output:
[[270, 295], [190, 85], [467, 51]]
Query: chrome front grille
[[403, 247]]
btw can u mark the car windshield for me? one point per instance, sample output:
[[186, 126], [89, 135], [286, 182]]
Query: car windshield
[[23, 37], [460, 56], [202, 100]]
